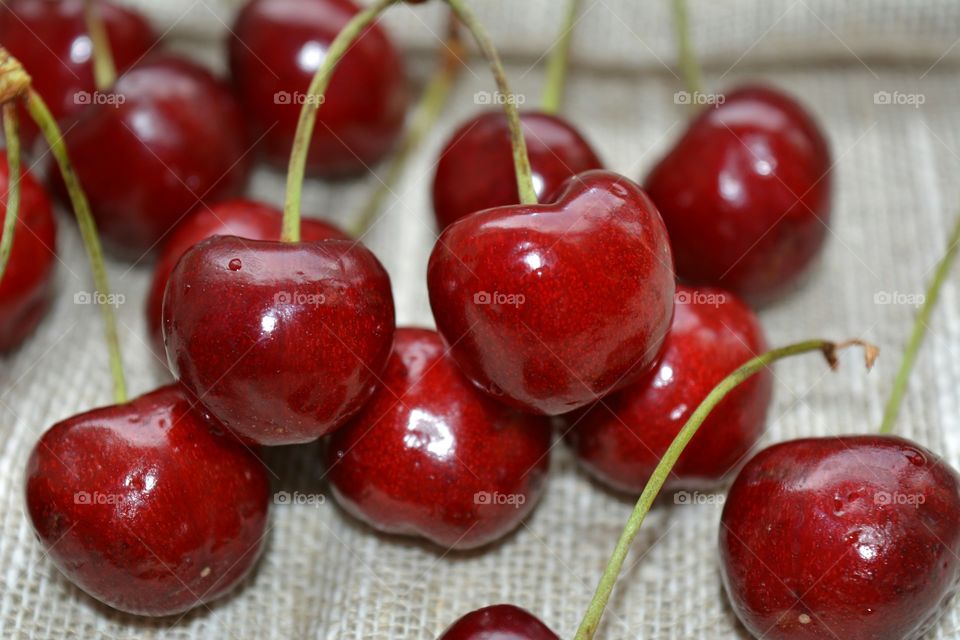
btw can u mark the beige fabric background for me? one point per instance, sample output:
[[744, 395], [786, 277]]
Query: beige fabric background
[[326, 576]]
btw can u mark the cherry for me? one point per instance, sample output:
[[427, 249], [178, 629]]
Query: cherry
[[51, 41], [148, 156], [499, 622], [549, 307], [242, 218], [281, 341], [276, 46], [27, 285], [745, 194], [850, 537], [475, 170], [621, 439], [431, 456], [148, 506]]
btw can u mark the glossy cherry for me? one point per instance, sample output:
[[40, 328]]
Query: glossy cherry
[[549, 307], [499, 622], [475, 170], [853, 537], [50, 39], [283, 342], [276, 46], [27, 286], [172, 138], [148, 506], [745, 194], [242, 218], [431, 456], [622, 438]]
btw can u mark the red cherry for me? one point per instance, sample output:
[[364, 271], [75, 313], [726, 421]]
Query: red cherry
[[549, 307], [431, 456], [146, 506], [499, 622], [242, 218], [476, 172], [27, 285], [276, 46], [151, 156], [745, 194], [50, 39], [621, 439], [282, 342], [853, 537]]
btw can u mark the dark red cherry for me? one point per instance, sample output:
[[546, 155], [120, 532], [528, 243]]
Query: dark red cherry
[[476, 172], [853, 537], [276, 46], [431, 456], [622, 438], [549, 307], [148, 506], [745, 194], [283, 342], [499, 622], [242, 218], [27, 285], [172, 139], [50, 39]]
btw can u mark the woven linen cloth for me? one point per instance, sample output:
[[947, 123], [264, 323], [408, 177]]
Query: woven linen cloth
[[325, 575]]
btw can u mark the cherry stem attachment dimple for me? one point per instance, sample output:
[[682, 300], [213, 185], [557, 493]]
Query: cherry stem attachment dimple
[[591, 619], [290, 231], [559, 61], [932, 294], [104, 68], [12, 137], [521, 161], [689, 67]]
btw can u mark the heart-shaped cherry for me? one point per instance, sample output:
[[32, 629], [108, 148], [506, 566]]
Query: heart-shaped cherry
[[148, 506], [242, 218], [853, 537], [27, 285], [431, 456], [549, 307], [275, 48], [147, 156], [745, 194], [476, 172], [499, 622], [282, 342], [621, 439]]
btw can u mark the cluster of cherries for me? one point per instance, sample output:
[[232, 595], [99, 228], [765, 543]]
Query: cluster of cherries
[[568, 308]]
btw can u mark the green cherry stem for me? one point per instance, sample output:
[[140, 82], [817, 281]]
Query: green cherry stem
[[558, 62], [591, 619], [932, 294], [13, 184], [290, 231], [104, 68], [689, 67], [528, 194]]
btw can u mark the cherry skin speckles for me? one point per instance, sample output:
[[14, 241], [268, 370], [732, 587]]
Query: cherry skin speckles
[[476, 171], [853, 537], [549, 307], [745, 194], [149, 506], [287, 348], [621, 439], [431, 456], [499, 622]]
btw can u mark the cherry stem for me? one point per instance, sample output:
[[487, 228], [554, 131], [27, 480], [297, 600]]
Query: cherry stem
[[689, 67], [591, 619], [13, 184], [528, 194], [432, 102], [932, 294], [290, 231], [558, 62], [104, 68]]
